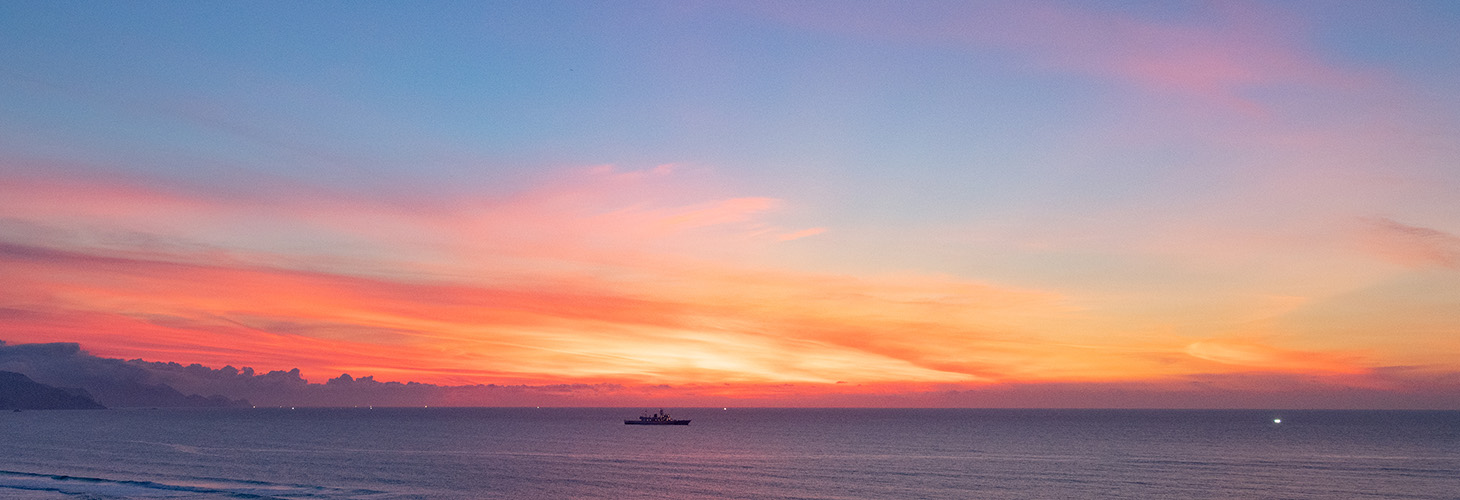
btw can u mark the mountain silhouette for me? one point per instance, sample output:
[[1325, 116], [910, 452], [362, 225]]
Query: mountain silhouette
[[19, 392], [111, 382]]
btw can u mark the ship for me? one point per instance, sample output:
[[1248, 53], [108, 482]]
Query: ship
[[660, 418]]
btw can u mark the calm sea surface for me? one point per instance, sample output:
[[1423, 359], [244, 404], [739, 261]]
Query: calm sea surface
[[528, 453]]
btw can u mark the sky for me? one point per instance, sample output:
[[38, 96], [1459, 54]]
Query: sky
[[786, 203]]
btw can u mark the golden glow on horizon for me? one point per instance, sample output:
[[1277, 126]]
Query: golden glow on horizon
[[626, 313]]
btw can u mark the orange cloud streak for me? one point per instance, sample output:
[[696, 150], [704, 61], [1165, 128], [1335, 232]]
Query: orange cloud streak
[[1257, 356]]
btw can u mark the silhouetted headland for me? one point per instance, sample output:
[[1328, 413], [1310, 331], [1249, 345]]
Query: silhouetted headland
[[19, 392]]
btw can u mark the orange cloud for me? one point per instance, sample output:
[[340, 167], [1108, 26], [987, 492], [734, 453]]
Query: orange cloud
[[1257, 356]]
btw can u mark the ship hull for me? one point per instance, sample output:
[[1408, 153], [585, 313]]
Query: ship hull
[[656, 422]]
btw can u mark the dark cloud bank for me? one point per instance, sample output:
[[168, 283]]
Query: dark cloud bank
[[111, 382], [138, 383]]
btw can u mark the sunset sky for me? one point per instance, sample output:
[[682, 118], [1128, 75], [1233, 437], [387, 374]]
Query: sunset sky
[[770, 200]]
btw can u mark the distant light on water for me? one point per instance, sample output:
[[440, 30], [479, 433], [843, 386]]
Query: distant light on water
[[1277, 420]]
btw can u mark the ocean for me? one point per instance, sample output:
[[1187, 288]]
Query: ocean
[[761, 453]]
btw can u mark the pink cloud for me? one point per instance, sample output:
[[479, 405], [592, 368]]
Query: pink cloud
[[33, 196], [1244, 45], [1411, 246], [804, 233], [719, 212], [594, 216], [1235, 46]]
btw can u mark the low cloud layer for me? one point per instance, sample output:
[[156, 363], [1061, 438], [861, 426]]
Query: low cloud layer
[[111, 382], [117, 382]]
